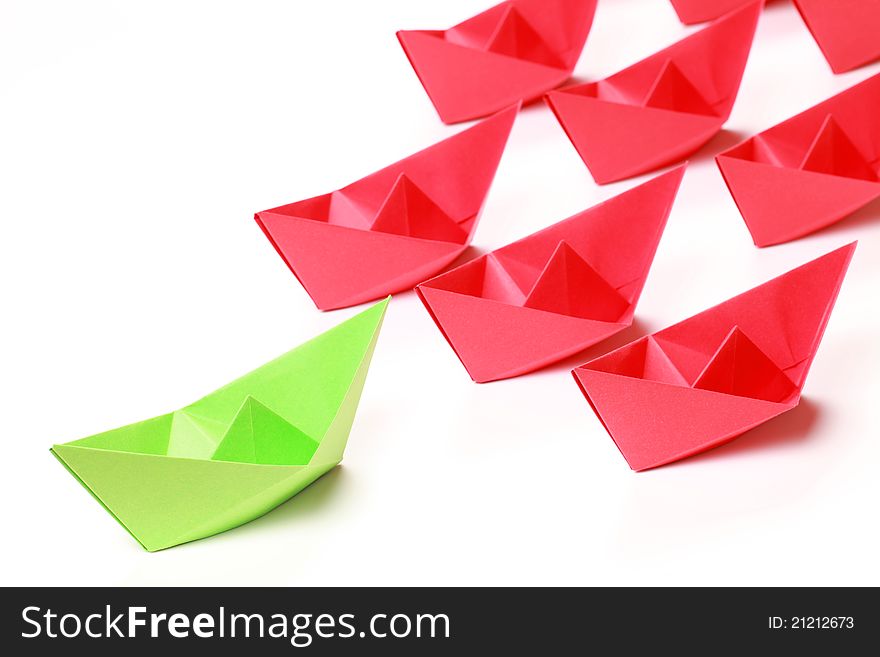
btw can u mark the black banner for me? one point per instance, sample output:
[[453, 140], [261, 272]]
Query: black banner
[[439, 621]]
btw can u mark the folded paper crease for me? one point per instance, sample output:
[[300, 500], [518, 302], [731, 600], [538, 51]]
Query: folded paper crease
[[394, 228], [512, 52], [663, 108], [708, 379], [236, 453], [555, 292], [811, 170]]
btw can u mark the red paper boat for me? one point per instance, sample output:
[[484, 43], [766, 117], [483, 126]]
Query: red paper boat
[[517, 50], [555, 292], [847, 31], [810, 170], [700, 11], [662, 108], [706, 380], [394, 228]]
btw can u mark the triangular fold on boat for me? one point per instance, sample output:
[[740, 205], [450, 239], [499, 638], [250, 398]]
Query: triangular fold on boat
[[642, 359], [317, 208], [779, 204], [486, 277], [649, 424], [495, 282], [258, 435], [522, 263], [833, 152], [618, 237], [476, 32], [570, 286], [562, 24], [739, 367], [780, 151], [714, 58], [335, 208], [673, 91], [514, 37], [784, 317], [408, 211], [193, 436]]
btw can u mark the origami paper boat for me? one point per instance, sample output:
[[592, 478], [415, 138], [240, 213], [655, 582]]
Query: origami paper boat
[[845, 30], [662, 108], [517, 50], [237, 453], [703, 382], [555, 292], [810, 170], [700, 11], [394, 228]]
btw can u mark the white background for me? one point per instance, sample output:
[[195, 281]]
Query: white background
[[136, 141]]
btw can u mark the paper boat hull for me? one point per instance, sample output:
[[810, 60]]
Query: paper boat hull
[[494, 340], [618, 141], [555, 292], [395, 227], [779, 204], [675, 422], [707, 379], [662, 108], [514, 51], [464, 83], [340, 266], [165, 500]]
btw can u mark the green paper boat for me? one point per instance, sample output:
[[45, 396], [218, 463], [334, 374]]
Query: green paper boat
[[237, 453]]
